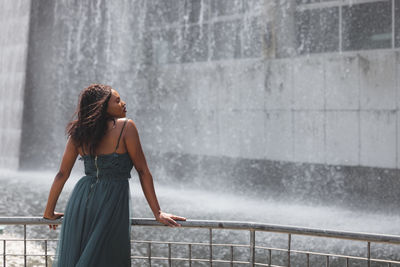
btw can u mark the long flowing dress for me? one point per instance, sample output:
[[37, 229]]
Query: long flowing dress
[[96, 226]]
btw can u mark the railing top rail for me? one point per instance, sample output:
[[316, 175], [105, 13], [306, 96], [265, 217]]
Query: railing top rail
[[235, 225]]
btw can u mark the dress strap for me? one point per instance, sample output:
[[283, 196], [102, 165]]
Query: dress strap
[[120, 134]]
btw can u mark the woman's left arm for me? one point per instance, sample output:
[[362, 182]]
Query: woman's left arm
[[135, 151], [67, 162]]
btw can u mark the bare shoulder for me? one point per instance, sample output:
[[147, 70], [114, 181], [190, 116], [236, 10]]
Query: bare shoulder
[[130, 124], [131, 130], [121, 121]]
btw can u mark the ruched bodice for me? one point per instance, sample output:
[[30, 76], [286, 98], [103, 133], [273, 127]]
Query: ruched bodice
[[108, 166]]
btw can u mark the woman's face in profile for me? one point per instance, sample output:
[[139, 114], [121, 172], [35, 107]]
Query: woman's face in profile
[[116, 107]]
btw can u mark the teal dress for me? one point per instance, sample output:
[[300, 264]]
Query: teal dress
[[96, 226]]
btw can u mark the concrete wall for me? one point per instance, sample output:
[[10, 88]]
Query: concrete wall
[[319, 128], [337, 109], [341, 109], [244, 93], [14, 29], [217, 98]]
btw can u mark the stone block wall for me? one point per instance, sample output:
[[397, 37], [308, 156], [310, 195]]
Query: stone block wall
[[335, 109], [220, 96]]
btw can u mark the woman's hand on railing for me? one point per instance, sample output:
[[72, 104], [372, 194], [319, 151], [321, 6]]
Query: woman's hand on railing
[[53, 216], [169, 219]]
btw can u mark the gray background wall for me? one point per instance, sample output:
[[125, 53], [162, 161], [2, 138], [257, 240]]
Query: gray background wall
[[14, 29], [326, 108], [258, 102], [222, 96]]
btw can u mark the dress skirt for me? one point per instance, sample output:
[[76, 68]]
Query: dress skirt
[[96, 226]]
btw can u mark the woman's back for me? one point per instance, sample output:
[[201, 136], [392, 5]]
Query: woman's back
[[99, 210], [112, 141], [109, 165]]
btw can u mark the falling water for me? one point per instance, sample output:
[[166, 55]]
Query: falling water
[[272, 110], [14, 27]]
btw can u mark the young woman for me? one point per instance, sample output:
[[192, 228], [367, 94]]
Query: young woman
[[96, 225]]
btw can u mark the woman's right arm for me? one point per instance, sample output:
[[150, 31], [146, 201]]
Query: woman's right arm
[[67, 162]]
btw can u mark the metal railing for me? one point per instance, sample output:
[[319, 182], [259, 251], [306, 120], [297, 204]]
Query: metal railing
[[251, 227]]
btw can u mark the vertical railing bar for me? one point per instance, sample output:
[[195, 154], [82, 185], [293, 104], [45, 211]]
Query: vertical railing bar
[[190, 255], [340, 29], [231, 256], [289, 244], [369, 254], [327, 261], [347, 262], [252, 247], [393, 25], [270, 257], [169, 255], [45, 253], [149, 253], [4, 253], [24, 245], [308, 260], [210, 229]]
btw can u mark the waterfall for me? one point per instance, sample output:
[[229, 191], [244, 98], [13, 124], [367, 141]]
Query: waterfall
[[14, 34], [255, 94]]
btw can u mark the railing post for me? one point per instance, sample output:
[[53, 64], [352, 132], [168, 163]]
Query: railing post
[[231, 256], [211, 246], [190, 255], [369, 254], [289, 244], [169, 255], [149, 254], [45, 253], [252, 247], [270, 257], [393, 25], [24, 245], [4, 253]]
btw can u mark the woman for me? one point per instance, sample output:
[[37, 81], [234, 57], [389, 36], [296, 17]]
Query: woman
[[96, 226]]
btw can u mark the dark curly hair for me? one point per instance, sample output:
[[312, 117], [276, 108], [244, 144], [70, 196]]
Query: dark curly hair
[[91, 124]]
